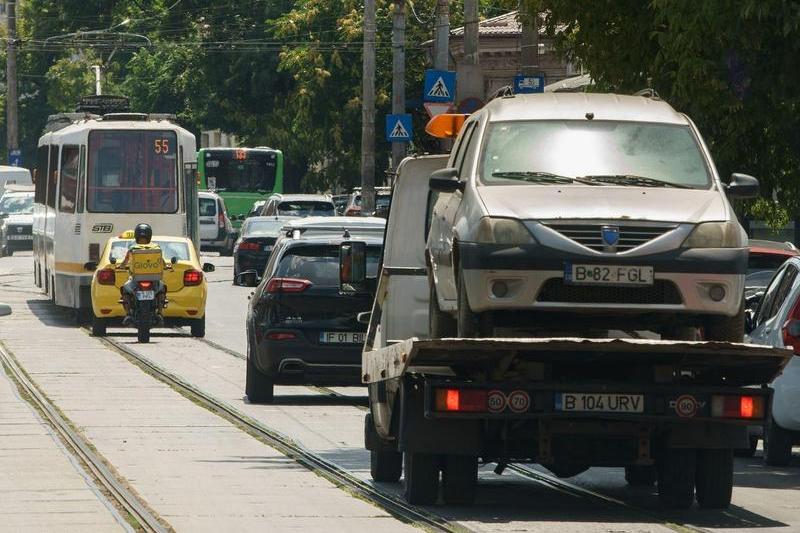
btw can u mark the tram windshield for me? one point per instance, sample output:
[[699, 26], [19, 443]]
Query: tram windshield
[[132, 172]]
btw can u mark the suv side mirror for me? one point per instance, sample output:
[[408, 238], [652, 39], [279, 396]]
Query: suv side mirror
[[5, 309], [446, 180], [248, 278], [352, 266], [742, 186]]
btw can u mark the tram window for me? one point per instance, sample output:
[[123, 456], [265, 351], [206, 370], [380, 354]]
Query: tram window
[[81, 180], [68, 189], [132, 172], [42, 155], [52, 173]]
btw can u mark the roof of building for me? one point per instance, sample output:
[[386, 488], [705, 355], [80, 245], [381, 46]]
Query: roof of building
[[505, 25]]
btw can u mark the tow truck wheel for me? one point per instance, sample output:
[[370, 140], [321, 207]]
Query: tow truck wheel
[[725, 328], [676, 474], [640, 476], [258, 387], [385, 465], [459, 479], [441, 324], [777, 445], [98, 326], [714, 478], [421, 475]]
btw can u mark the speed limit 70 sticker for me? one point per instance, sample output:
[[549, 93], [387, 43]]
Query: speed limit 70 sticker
[[517, 401]]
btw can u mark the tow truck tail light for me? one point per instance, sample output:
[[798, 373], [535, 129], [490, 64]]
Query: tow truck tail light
[[145, 285], [106, 276], [749, 407], [192, 278], [277, 285], [249, 246], [791, 328], [461, 400]]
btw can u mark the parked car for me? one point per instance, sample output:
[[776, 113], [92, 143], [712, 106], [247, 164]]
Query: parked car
[[255, 243], [340, 201], [14, 176], [300, 328], [299, 205], [216, 230], [776, 322], [383, 197], [569, 212], [764, 260], [16, 220]]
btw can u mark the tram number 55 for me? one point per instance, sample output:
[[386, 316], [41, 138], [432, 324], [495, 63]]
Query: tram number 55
[[161, 146]]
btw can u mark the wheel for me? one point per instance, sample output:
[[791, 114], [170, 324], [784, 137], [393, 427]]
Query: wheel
[[777, 445], [98, 326], [258, 387], [469, 323], [421, 477], [8, 252], [640, 476], [199, 327], [385, 465], [459, 479], [226, 250], [143, 334], [714, 478], [676, 473], [441, 324], [750, 451], [725, 328]]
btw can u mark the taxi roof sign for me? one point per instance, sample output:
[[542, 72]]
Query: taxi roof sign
[[446, 125]]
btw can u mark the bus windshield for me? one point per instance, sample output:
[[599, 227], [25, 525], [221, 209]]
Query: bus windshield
[[240, 170], [132, 172]]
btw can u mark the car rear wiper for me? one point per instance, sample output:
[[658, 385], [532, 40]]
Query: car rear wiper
[[634, 181], [541, 177]]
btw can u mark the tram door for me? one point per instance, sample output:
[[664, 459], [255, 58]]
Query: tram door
[[190, 193]]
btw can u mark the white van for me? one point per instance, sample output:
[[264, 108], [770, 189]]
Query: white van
[[216, 230], [14, 176]]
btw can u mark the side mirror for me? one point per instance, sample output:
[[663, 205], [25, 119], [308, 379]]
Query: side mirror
[[208, 267], [91, 266], [352, 266], [742, 186], [248, 278], [364, 318], [446, 180], [5, 309], [173, 259], [113, 260]]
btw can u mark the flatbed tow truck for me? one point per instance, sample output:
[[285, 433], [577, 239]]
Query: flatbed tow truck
[[670, 412]]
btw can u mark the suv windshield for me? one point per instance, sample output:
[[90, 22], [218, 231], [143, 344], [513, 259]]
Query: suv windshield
[[559, 152], [306, 208], [18, 204], [320, 264]]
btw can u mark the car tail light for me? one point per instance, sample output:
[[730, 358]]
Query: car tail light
[[221, 219], [281, 336], [277, 285], [192, 277], [791, 328], [106, 276], [145, 285], [353, 211], [249, 246], [745, 406], [461, 400]]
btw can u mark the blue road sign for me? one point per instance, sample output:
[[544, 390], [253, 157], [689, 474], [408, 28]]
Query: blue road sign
[[15, 158], [440, 86], [528, 84], [398, 128]]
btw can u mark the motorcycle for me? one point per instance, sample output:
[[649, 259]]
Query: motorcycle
[[144, 295]]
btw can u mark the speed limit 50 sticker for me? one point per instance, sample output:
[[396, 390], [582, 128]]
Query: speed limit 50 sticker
[[517, 401]]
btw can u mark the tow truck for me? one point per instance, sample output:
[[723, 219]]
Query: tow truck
[[670, 412]]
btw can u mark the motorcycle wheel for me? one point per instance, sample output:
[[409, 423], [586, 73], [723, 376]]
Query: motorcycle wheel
[[143, 334]]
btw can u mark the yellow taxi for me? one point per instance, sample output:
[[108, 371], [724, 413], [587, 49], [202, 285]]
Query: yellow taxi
[[187, 288]]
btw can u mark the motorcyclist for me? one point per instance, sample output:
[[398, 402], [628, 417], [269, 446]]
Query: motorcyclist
[[142, 235]]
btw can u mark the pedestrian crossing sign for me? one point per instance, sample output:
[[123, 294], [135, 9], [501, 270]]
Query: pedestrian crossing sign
[[440, 86], [398, 128]]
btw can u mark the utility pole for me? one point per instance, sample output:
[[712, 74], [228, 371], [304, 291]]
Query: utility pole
[[530, 45], [470, 75], [398, 73], [441, 43], [368, 111], [98, 90], [12, 138]]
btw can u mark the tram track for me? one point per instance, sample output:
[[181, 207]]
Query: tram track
[[81, 449], [394, 505]]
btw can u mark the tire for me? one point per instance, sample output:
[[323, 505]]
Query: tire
[[421, 478], [385, 465], [676, 477], [640, 476], [258, 387], [198, 327], [143, 334], [98, 326], [440, 324], [470, 324], [459, 479], [750, 451], [714, 478], [8, 252], [777, 445], [725, 328]]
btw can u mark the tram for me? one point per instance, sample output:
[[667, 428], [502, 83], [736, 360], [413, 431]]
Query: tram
[[97, 176]]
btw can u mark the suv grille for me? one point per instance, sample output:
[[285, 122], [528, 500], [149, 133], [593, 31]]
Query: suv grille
[[661, 292], [590, 235]]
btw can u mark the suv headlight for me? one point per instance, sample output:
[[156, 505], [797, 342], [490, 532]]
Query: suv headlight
[[716, 235], [502, 231]]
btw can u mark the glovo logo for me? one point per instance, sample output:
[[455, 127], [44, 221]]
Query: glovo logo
[[147, 264]]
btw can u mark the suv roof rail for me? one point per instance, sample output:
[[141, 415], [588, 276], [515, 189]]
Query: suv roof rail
[[648, 92]]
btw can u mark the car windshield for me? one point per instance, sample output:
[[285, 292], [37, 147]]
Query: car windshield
[[564, 152], [306, 208], [758, 262], [320, 264], [758, 278], [262, 228], [169, 249], [17, 204]]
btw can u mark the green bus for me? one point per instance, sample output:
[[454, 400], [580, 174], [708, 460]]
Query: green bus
[[241, 176]]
